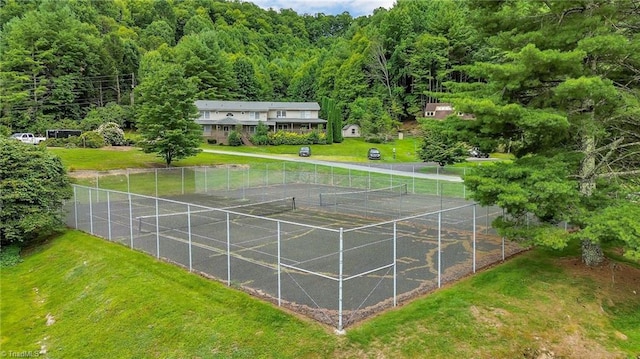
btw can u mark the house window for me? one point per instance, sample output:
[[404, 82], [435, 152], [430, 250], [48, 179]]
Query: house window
[[305, 114], [283, 126], [225, 128], [353, 131], [281, 114], [305, 126], [204, 114], [254, 115], [431, 114]]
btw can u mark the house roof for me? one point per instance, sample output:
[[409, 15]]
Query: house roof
[[255, 106], [433, 106], [442, 110], [349, 125]]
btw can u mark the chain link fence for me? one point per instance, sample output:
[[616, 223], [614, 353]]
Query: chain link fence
[[265, 229]]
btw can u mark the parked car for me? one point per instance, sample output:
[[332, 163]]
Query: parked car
[[477, 153], [374, 154], [304, 152], [28, 138]]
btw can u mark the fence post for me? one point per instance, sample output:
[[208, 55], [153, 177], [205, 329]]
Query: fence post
[[189, 234], [75, 205], [439, 249], [228, 251], [130, 220], [97, 186], [486, 224], [182, 180], [474, 237], [205, 180], [279, 270], [156, 174], [332, 181], [395, 267], [413, 178], [109, 215], [340, 266], [90, 212], [157, 226]]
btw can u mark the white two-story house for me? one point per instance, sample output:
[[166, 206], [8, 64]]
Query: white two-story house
[[218, 118]]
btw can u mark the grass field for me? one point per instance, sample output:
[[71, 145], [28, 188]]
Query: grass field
[[77, 296], [351, 150]]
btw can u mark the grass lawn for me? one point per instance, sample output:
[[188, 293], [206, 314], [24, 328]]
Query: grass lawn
[[109, 158], [82, 297], [350, 150]]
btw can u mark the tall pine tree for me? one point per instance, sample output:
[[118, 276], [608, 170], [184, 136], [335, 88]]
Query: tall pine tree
[[562, 96]]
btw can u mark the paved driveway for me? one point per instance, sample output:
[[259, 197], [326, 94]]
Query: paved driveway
[[399, 169]]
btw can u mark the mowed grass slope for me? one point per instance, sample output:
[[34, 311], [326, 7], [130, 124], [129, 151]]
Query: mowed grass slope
[[82, 297]]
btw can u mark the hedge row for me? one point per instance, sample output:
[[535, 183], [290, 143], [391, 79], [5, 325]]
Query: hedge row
[[289, 138]]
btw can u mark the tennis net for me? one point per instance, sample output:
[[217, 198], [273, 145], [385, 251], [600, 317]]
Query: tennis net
[[265, 208], [335, 198]]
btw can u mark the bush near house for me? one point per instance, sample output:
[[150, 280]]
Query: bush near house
[[289, 138], [234, 139]]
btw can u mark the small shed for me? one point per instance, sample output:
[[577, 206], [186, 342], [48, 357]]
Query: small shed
[[351, 130]]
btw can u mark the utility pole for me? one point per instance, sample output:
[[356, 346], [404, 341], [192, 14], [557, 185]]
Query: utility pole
[[133, 86], [118, 86]]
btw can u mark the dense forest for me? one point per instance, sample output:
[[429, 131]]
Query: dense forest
[[76, 63]]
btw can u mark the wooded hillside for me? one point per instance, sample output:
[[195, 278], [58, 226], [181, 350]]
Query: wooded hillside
[[73, 64]]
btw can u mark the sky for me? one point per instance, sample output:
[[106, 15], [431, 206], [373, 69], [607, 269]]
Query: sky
[[328, 7]]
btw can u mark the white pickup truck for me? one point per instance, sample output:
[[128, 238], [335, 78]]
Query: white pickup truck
[[28, 138]]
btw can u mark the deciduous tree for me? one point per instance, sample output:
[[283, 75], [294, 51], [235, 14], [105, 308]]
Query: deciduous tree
[[166, 111]]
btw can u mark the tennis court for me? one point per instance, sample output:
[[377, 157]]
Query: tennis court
[[333, 252]]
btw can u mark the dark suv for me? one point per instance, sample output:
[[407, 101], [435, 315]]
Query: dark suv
[[304, 152], [374, 154], [477, 153]]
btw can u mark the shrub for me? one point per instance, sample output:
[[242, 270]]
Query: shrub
[[91, 139], [34, 186], [234, 139], [10, 256], [212, 141], [69, 142], [260, 140], [112, 134]]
